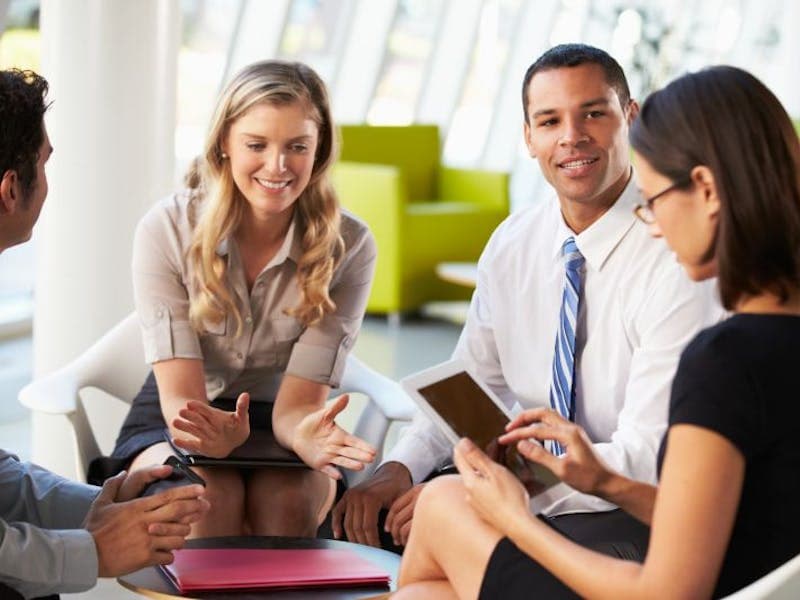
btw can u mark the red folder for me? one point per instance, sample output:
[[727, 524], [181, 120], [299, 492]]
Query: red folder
[[196, 569]]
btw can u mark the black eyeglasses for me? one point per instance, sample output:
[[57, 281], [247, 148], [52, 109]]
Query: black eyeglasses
[[644, 210]]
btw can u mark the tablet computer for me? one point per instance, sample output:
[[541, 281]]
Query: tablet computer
[[463, 406], [260, 450]]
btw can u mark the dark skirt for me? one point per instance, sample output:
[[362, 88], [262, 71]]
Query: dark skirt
[[144, 427], [511, 574]]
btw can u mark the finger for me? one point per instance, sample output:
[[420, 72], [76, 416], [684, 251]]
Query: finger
[[539, 431], [347, 463], [199, 414], [208, 413], [169, 529], [405, 531], [356, 442], [174, 512], [156, 501], [243, 406], [161, 557], [472, 456], [526, 417], [538, 454], [331, 471], [189, 428], [369, 525], [398, 505], [352, 521], [337, 515], [188, 444], [334, 408], [402, 520], [354, 453], [168, 543], [111, 488]]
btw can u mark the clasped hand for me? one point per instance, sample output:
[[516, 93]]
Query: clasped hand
[[323, 445], [214, 432]]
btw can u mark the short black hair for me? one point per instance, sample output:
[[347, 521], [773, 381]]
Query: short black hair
[[572, 55], [22, 107]]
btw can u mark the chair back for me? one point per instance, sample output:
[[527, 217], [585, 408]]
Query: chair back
[[781, 584], [413, 148]]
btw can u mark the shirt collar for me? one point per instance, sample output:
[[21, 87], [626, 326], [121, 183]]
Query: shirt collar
[[598, 241], [292, 246]]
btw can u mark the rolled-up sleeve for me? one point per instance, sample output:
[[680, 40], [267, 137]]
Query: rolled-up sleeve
[[321, 351], [161, 297]]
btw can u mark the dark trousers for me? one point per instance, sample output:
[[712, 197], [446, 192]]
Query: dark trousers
[[6, 593]]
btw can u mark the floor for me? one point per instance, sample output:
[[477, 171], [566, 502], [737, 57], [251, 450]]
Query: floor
[[395, 350]]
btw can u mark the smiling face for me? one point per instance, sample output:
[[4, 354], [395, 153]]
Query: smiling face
[[685, 218], [271, 149], [578, 130]]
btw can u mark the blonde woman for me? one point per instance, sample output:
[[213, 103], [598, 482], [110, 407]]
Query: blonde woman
[[250, 287]]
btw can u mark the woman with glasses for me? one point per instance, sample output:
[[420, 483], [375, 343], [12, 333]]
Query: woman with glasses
[[719, 163]]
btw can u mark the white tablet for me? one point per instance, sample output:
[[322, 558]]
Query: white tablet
[[463, 406]]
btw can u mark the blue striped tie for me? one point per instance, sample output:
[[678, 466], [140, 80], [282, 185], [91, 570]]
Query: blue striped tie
[[562, 390]]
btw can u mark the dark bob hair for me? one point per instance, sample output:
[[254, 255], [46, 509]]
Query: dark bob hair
[[727, 120]]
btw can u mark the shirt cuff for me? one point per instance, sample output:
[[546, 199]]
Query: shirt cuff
[[406, 452], [80, 560], [319, 363]]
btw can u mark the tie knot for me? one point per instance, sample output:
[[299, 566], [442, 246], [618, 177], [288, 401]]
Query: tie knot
[[572, 256]]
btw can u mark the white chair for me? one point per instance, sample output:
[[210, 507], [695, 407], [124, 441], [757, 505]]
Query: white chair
[[115, 364], [781, 584]]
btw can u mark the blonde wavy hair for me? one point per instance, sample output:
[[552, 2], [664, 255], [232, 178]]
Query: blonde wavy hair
[[317, 212]]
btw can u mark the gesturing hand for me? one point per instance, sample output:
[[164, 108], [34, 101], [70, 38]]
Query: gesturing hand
[[142, 532], [214, 432], [322, 444], [493, 491], [579, 467], [136, 481]]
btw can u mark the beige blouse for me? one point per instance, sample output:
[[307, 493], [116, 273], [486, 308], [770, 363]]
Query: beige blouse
[[271, 343]]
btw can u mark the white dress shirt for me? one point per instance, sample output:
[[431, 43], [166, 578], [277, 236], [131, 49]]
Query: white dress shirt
[[638, 310]]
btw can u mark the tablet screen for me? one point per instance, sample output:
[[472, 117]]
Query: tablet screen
[[462, 403], [470, 413]]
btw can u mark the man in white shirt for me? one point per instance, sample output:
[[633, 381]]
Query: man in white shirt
[[57, 535], [637, 309]]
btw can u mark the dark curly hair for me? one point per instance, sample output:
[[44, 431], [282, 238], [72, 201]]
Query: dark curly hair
[[22, 108]]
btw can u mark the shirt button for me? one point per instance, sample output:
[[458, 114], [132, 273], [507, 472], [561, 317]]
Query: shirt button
[[248, 319], [160, 313], [239, 355]]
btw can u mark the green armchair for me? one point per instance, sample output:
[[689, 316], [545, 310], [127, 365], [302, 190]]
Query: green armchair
[[420, 212]]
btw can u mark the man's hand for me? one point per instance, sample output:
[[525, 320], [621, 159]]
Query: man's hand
[[141, 532], [398, 521], [357, 511], [134, 484]]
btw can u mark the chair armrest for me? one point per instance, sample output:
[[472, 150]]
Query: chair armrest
[[375, 193], [54, 394], [384, 392], [489, 188]]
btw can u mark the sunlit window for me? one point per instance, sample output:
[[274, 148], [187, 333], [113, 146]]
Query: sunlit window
[[469, 127], [207, 30], [314, 34], [409, 49]]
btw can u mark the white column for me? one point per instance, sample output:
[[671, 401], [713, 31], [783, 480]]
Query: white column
[[112, 70]]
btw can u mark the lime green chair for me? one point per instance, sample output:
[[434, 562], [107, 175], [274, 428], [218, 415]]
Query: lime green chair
[[420, 212]]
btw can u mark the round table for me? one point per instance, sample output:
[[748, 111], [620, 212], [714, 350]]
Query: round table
[[152, 583]]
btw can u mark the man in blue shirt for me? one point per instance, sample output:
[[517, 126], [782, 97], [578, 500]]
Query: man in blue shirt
[[57, 535]]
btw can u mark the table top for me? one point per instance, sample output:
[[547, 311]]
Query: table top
[[462, 273], [152, 583]]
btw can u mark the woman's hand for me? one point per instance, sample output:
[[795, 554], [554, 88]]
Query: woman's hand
[[214, 432], [322, 444], [494, 492], [579, 467]]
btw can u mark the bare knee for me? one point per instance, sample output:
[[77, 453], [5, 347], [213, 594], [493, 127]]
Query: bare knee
[[287, 502], [225, 493], [441, 496]]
